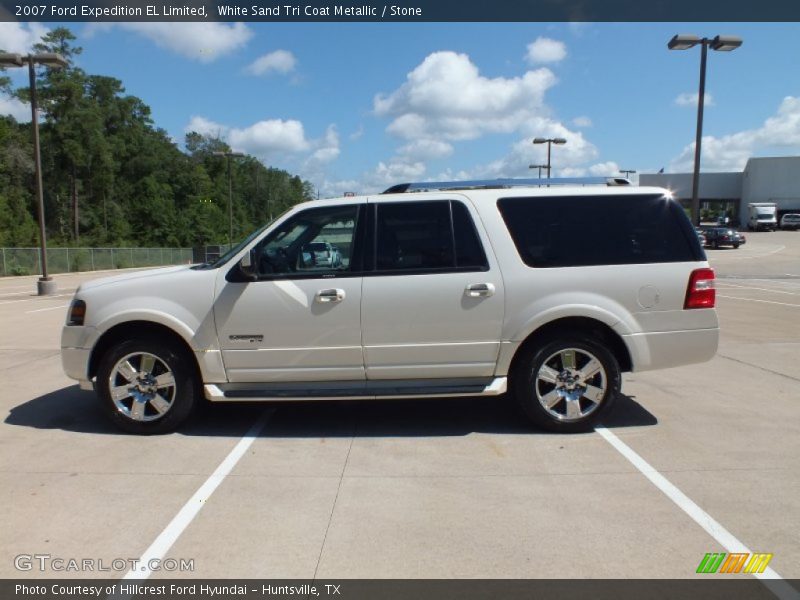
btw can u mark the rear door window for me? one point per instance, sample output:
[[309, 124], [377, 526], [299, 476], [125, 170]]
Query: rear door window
[[427, 236]]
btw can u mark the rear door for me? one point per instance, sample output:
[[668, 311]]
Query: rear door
[[432, 299]]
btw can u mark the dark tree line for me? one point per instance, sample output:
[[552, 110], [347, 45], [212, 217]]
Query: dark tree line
[[111, 177]]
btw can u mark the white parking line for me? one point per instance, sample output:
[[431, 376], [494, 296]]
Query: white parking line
[[49, 308], [185, 515], [29, 293], [35, 298], [756, 300], [771, 252], [792, 283], [749, 287], [771, 579]]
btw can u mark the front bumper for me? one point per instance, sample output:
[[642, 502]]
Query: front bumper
[[76, 350]]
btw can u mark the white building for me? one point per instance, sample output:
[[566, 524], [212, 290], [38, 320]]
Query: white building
[[763, 180]]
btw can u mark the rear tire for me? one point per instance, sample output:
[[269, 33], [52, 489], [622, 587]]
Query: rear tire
[[147, 386], [566, 383]]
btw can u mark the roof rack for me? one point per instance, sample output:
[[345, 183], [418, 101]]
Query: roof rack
[[487, 184]]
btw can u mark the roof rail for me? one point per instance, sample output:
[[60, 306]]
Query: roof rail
[[478, 184]]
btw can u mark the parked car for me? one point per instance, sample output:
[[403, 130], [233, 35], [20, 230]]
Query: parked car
[[701, 237], [717, 237], [790, 221], [322, 254], [466, 289]]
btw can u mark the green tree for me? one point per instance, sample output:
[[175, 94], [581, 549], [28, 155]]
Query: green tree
[[132, 184]]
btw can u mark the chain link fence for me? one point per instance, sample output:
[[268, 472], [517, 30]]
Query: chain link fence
[[25, 261]]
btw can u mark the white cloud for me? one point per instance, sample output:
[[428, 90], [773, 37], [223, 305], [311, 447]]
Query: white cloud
[[730, 152], [275, 139], [19, 110], [19, 37], [546, 50], [446, 98], [337, 188], [603, 169], [327, 148], [201, 41], [206, 127], [270, 136], [279, 61], [578, 28], [385, 174], [426, 149], [688, 99], [357, 133], [576, 152]]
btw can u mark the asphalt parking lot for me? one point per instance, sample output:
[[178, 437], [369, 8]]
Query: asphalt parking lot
[[424, 489]]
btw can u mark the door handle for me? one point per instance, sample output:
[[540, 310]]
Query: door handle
[[330, 295], [479, 290]]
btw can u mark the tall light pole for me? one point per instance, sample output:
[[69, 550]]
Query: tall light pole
[[549, 142], [230, 155], [540, 167], [722, 43], [627, 172], [45, 285]]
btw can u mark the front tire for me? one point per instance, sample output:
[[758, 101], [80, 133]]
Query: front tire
[[566, 384], [147, 386]]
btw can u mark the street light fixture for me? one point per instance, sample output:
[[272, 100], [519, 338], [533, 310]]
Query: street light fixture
[[540, 167], [46, 285], [720, 43], [230, 155], [549, 142], [627, 172]]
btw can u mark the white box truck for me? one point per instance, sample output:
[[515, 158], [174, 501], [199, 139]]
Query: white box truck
[[762, 215]]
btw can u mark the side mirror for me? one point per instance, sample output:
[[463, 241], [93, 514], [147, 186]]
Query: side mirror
[[248, 266]]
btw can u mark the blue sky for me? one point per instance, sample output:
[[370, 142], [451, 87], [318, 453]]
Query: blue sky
[[356, 107]]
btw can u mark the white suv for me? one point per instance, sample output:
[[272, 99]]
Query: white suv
[[462, 289]]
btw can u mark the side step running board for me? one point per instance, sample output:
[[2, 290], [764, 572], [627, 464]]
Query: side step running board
[[218, 393]]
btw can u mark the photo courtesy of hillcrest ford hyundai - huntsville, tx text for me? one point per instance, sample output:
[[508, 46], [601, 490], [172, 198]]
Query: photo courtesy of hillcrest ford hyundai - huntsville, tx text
[[438, 289]]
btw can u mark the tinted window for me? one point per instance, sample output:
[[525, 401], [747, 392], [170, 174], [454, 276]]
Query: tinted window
[[315, 242], [413, 236], [599, 230], [469, 252]]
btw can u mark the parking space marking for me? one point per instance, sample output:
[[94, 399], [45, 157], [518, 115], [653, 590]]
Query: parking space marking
[[48, 308], [37, 298], [757, 300], [750, 287], [770, 578], [189, 511], [771, 252]]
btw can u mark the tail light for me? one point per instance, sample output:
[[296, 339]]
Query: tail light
[[701, 293]]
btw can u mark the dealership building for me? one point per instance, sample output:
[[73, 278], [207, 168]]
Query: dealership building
[[763, 180]]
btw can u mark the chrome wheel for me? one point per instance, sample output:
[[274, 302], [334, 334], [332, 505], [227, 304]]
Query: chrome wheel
[[571, 384], [142, 386]]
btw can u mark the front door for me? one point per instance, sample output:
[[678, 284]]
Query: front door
[[301, 320]]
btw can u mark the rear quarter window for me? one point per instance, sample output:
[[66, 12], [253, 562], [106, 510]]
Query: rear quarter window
[[572, 231]]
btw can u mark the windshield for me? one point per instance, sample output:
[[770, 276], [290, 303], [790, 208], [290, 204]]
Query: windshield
[[237, 248], [765, 214]]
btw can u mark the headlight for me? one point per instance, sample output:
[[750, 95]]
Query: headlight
[[77, 312]]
